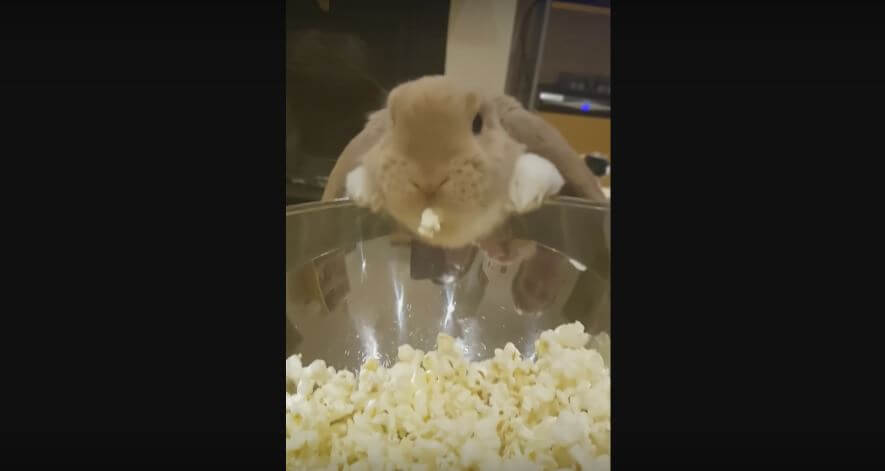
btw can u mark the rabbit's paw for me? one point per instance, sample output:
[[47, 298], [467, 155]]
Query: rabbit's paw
[[361, 190], [534, 179]]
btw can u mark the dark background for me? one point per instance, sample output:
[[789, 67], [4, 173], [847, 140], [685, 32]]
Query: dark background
[[340, 65], [144, 234]]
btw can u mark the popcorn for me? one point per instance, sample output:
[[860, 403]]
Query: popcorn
[[436, 410], [429, 223], [293, 368]]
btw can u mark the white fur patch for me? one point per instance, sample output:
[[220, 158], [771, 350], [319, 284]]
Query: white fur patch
[[358, 187], [534, 179]]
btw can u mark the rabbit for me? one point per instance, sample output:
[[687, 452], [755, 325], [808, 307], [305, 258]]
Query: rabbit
[[452, 165]]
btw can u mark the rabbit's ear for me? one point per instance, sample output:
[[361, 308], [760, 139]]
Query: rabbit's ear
[[353, 154], [543, 139]]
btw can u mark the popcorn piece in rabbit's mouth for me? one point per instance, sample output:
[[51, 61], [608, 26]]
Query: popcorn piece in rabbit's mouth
[[429, 223]]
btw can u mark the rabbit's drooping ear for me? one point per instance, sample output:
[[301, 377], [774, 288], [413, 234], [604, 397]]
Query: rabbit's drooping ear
[[352, 155], [543, 139]]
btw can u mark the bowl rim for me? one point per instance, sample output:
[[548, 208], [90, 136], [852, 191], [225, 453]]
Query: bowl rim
[[558, 201]]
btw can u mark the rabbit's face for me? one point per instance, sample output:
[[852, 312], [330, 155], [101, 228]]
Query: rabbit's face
[[445, 150]]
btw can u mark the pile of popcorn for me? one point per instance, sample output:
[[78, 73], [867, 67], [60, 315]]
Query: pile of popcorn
[[438, 411]]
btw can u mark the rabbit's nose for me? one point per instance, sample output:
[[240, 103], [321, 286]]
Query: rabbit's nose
[[429, 187]]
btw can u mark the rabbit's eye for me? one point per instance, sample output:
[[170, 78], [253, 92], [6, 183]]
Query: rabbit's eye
[[477, 124]]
